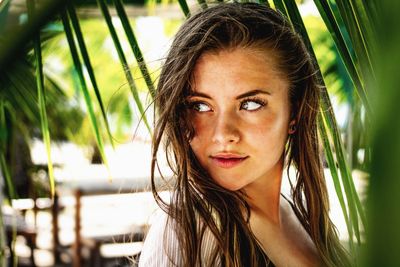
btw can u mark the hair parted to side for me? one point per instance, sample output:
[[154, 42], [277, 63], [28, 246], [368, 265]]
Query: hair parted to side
[[198, 202]]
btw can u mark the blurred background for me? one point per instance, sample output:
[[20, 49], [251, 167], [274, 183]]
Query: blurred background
[[77, 82]]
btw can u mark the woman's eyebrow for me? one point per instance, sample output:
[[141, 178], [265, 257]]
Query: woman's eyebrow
[[252, 93], [198, 94]]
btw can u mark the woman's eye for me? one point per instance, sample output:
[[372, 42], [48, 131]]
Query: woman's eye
[[251, 105], [200, 107]]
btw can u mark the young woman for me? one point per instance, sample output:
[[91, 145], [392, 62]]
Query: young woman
[[237, 104]]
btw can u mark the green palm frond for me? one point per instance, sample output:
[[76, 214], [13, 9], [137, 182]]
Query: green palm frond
[[85, 91], [19, 35], [383, 234], [185, 8], [42, 99], [360, 38], [279, 5], [88, 65], [202, 3], [4, 135], [354, 208], [135, 46], [124, 63], [334, 28]]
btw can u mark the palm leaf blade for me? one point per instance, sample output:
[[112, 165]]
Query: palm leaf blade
[[202, 4], [335, 175], [333, 27], [329, 117], [343, 167], [358, 40], [185, 8], [42, 101], [122, 58], [78, 68], [135, 46], [89, 68], [3, 141], [279, 5]]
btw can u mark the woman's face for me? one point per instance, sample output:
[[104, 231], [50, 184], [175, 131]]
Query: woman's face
[[240, 112]]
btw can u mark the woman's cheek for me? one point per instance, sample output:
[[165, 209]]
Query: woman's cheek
[[201, 126]]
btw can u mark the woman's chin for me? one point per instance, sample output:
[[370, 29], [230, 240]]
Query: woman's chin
[[230, 185]]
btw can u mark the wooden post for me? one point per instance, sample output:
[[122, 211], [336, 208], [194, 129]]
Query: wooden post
[[56, 242], [77, 246]]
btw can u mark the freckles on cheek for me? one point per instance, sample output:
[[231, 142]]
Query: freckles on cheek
[[193, 124], [272, 129], [199, 142], [199, 151], [264, 126], [195, 142], [199, 127]]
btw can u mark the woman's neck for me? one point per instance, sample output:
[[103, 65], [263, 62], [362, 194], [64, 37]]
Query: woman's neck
[[263, 196]]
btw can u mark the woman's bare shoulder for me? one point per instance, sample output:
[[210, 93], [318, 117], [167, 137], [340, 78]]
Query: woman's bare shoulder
[[294, 229]]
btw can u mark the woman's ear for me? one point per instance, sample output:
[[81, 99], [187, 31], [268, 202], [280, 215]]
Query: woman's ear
[[292, 126], [294, 115]]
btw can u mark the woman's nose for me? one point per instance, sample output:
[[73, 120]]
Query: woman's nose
[[226, 129]]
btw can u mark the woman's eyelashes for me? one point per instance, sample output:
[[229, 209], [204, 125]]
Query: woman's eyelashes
[[199, 106], [249, 104], [252, 104]]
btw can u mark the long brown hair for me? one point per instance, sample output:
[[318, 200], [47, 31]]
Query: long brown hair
[[198, 203]]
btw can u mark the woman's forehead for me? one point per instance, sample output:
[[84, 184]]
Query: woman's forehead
[[249, 58], [240, 68]]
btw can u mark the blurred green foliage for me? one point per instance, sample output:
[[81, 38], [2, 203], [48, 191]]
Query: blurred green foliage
[[109, 74], [383, 244], [342, 93]]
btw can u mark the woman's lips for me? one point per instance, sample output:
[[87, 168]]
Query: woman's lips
[[227, 161]]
